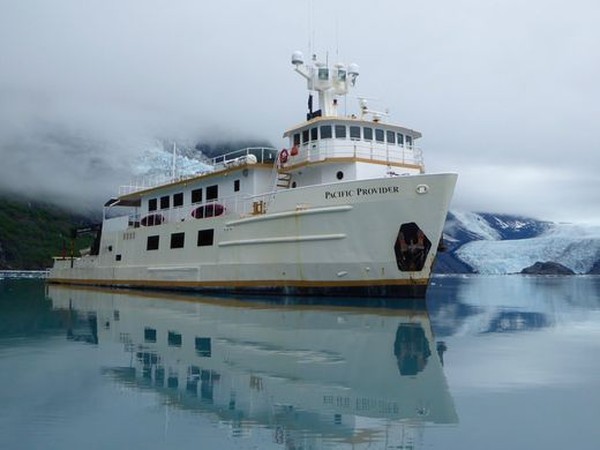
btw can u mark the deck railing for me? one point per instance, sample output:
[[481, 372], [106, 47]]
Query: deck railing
[[372, 151], [249, 155]]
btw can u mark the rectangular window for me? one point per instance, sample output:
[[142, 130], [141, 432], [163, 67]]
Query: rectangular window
[[203, 347], [391, 137], [177, 240], [236, 185], [164, 202], [354, 132], [400, 139], [340, 131], [212, 192], [197, 195], [314, 134], [379, 135], [152, 205], [297, 139], [152, 243], [304, 136], [409, 141], [118, 257], [159, 376], [206, 237], [178, 199], [174, 339], [149, 335], [326, 132], [368, 133]]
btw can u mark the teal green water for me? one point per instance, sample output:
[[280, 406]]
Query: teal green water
[[485, 362]]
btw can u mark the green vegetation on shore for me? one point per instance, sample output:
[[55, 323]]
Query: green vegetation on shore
[[32, 233]]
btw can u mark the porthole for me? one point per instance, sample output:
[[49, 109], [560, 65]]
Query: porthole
[[339, 175]]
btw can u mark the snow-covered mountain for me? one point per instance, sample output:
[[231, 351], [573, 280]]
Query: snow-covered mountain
[[501, 244]]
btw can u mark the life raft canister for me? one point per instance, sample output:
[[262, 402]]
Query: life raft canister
[[283, 156]]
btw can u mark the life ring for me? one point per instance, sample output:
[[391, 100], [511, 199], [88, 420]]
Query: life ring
[[283, 156]]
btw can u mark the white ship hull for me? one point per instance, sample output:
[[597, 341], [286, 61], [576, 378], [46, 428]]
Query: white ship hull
[[346, 209], [337, 238]]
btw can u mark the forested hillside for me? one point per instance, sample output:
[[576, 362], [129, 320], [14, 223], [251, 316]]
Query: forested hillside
[[31, 233]]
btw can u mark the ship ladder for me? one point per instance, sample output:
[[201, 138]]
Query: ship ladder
[[284, 179]]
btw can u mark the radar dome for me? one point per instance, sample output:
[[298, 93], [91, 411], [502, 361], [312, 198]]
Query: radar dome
[[353, 69], [297, 58]]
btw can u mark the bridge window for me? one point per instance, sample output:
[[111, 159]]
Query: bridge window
[[296, 138], [197, 195], [340, 131], [326, 132], [354, 132], [391, 137], [409, 141], [368, 133], [314, 134], [379, 136], [212, 192], [304, 136], [152, 204], [400, 139]]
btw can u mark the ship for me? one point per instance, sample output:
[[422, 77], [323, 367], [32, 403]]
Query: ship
[[346, 208], [268, 370]]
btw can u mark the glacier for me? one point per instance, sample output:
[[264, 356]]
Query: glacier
[[574, 246]]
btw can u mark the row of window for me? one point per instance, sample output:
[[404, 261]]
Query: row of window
[[212, 193], [355, 132], [174, 339], [205, 238]]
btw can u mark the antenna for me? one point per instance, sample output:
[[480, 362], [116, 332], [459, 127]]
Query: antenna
[[311, 28], [337, 40], [174, 164]]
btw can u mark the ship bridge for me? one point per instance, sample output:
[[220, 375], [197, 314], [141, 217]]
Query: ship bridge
[[330, 147]]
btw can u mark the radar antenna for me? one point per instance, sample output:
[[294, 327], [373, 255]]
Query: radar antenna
[[329, 82]]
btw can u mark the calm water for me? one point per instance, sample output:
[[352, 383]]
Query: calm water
[[489, 362]]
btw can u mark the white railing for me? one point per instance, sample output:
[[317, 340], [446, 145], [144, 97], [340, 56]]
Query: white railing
[[372, 151], [249, 155]]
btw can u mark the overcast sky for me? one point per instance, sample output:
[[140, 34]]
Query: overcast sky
[[506, 93]]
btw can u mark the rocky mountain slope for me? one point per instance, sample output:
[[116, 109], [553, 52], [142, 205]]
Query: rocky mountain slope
[[503, 244]]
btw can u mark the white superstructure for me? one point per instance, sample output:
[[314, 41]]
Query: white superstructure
[[346, 207]]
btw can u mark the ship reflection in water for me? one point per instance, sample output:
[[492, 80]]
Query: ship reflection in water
[[293, 376]]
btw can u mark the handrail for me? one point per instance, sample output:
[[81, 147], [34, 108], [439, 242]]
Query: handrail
[[265, 155], [390, 154]]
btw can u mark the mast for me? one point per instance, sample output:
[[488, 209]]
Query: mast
[[174, 162], [328, 81]]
